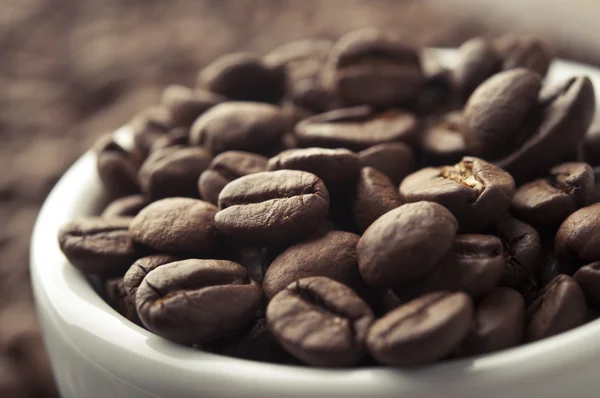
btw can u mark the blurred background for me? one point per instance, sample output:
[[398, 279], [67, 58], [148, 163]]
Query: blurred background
[[71, 70]]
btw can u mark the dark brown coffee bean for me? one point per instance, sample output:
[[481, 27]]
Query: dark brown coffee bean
[[444, 142], [474, 264], [320, 321], [375, 196], [356, 128], [337, 168], [332, 255], [126, 206], [177, 137], [225, 168], [523, 51], [272, 207], [186, 104], [149, 125], [177, 226], [242, 77], [285, 57], [404, 244], [476, 192], [498, 323], [371, 67], [522, 250], [496, 112], [591, 145], [137, 272], [547, 202], [99, 245], [559, 308], [421, 331], [577, 238], [588, 278], [197, 301], [395, 159], [116, 296], [116, 168], [173, 171], [477, 61], [244, 126]]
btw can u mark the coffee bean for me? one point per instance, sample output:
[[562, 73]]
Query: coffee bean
[[374, 68], [444, 142], [588, 278], [243, 126], [476, 192], [320, 321], [547, 202], [421, 331], [474, 264], [523, 51], [404, 244], [356, 128], [591, 145], [126, 206], [286, 56], [116, 296], [148, 125], [498, 323], [395, 159], [98, 245], [242, 77], [272, 207], [436, 93], [185, 104], [116, 168], [196, 301], [477, 61], [177, 137], [375, 196], [137, 272], [337, 168], [577, 238], [176, 225], [560, 307], [332, 255]]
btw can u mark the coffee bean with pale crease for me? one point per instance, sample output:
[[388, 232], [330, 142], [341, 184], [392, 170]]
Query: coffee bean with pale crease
[[559, 308], [578, 238], [320, 321], [357, 128], [475, 191], [126, 206], [137, 272], [99, 246], [375, 196], [405, 244], [186, 104], [181, 226], [272, 207], [444, 142], [524, 51], [197, 301], [421, 331], [395, 159], [477, 61], [116, 168], [588, 278]]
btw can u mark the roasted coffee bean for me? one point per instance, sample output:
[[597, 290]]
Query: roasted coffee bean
[[320, 321], [374, 68], [149, 125], [476, 192], [242, 77], [116, 296], [444, 142], [522, 250], [498, 323], [375, 196], [497, 111], [547, 202], [197, 301], [116, 168], [272, 207], [244, 126], [421, 331], [559, 308], [286, 56], [337, 168], [126, 206], [395, 159], [566, 117], [176, 225], [523, 51], [186, 104], [173, 171], [177, 137], [137, 272], [225, 168], [477, 61], [474, 264], [99, 246], [577, 238], [404, 244], [588, 278], [332, 255], [356, 128], [591, 145]]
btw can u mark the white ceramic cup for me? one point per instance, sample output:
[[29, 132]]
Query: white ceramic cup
[[96, 353]]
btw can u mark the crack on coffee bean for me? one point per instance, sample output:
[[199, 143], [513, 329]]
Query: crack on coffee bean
[[463, 174]]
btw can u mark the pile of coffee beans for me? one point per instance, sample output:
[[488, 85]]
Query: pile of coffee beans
[[355, 203]]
